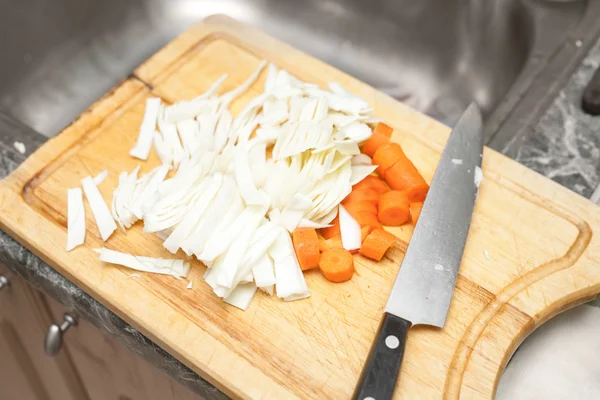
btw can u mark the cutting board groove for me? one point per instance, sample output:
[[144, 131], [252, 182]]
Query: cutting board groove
[[541, 258]]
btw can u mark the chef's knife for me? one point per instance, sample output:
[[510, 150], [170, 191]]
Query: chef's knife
[[424, 286]]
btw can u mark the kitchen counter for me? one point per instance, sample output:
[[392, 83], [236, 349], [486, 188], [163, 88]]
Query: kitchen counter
[[565, 145], [564, 148]]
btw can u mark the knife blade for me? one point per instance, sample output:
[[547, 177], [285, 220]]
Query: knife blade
[[425, 283]]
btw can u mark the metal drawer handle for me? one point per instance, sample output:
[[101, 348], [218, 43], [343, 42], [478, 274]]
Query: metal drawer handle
[[54, 337], [4, 282]]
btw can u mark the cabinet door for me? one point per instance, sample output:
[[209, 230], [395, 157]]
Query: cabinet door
[[18, 377], [25, 370], [111, 371]]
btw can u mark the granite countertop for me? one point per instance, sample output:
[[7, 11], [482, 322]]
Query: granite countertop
[[565, 147]]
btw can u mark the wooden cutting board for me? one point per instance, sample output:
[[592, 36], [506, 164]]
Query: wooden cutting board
[[531, 252]]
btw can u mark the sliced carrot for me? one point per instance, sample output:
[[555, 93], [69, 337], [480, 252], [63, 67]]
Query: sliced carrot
[[333, 243], [362, 195], [361, 206], [404, 176], [376, 244], [417, 193], [337, 265], [306, 246], [393, 208], [364, 231], [384, 129], [373, 143], [331, 231], [372, 182], [367, 219], [386, 156], [415, 210]]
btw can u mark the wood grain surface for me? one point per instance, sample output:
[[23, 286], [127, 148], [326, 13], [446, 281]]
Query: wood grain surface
[[542, 255]]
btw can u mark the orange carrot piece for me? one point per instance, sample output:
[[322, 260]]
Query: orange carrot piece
[[333, 243], [393, 208], [367, 219], [384, 129], [361, 206], [373, 143], [337, 265], [306, 246], [376, 244], [404, 176], [415, 211], [364, 232], [362, 195], [372, 182], [333, 230], [386, 156]]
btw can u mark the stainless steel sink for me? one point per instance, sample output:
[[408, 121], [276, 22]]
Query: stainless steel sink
[[60, 56]]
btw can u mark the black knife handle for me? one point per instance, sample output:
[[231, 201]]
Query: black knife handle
[[380, 372]]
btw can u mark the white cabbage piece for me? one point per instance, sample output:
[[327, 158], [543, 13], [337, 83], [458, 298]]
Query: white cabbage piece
[[209, 189], [173, 267], [75, 218], [264, 272], [361, 159], [102, 216], [224, 209], [290, 283], [143, 145], [135, 197], [350, 230], [242, 296], [360, 172], [294, 210], [188, 132]]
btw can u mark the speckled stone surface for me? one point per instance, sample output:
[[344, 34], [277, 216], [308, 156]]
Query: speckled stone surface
[[25, 264], [566, 143]]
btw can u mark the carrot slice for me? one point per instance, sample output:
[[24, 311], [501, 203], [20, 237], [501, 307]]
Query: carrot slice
[[306, 246], [367, 219], [362, 195], [393, 208], [376, 244], [384, 129], [361, 206], [386, 156], [364, 231], [372, 182], [333, 243], [373, 143], [404, 176], [333, 230], [337, 265], [415, 210]]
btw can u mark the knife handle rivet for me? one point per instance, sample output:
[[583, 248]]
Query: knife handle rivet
[[369, 398], [392, 342]]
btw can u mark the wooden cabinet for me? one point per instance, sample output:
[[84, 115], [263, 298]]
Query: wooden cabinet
[[111, 371], [89, 366], [26, 372]]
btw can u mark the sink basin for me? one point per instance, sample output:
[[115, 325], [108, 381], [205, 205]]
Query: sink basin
[[61, 56]]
